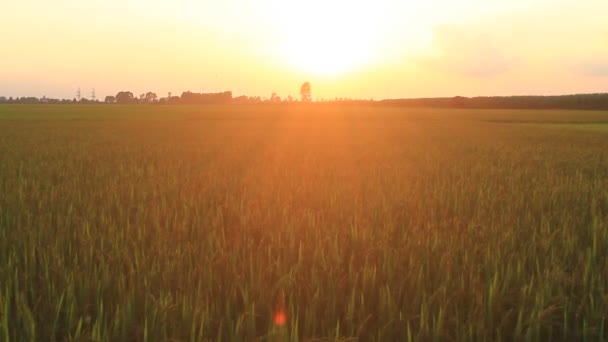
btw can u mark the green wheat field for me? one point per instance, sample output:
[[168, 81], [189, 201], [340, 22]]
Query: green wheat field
[[177, 223]]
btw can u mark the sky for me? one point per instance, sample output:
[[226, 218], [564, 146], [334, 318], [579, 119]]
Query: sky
[[344, 48]]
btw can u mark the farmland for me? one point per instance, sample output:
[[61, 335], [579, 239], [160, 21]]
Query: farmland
[[186, 223]]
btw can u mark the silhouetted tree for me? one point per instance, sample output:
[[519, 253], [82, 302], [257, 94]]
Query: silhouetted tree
[[28, 100], [243, 99], [274, 98], [305, 92], [211, 98], [110, 99], [151, 97], [124, 97]]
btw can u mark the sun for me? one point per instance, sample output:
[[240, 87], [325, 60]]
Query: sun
[[327, 37]]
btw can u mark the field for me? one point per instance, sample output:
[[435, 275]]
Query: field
[[169, 223]]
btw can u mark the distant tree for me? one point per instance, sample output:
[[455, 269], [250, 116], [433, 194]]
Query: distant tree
[[151, 97], [243, 99], [274, 98], [110, 99], [458, 101], [305, 92], [2, 99], [125, 97], [27, 100], [254, 100], [189, 97]]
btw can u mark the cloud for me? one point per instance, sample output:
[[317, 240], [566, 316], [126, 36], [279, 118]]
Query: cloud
[[469, 55], [594, 68]]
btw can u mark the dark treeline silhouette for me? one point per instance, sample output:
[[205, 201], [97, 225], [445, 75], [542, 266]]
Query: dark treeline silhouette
[[43, 100], [127, 97], [579, 101], [215, 98]]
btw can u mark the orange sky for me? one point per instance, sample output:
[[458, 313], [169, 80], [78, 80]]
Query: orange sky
[[358, 49]]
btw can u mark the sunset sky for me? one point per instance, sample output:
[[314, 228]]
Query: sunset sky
[[358, 49]]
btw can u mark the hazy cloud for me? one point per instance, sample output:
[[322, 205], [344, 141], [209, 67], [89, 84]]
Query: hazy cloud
[[468, 54], [594, 68]]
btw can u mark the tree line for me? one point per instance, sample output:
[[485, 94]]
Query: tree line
[[187, 97], [597, 101], [127, 97]]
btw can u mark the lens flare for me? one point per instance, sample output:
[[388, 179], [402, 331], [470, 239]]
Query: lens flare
[[280, 317]]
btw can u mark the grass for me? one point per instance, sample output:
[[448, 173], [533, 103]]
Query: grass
[[154, 223], [602, 127]]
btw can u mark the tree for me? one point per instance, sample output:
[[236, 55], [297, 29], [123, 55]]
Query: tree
[[274, 98], [305, 92], [151, 97], [124, 97], [189, 97], [110, 99]]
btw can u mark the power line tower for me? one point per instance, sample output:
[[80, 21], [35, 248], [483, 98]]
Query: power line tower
[[93, 97], [78, 94]]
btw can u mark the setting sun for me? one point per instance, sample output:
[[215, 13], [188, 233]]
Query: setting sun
[[328, 38]]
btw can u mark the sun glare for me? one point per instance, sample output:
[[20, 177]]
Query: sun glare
[[327, 37]]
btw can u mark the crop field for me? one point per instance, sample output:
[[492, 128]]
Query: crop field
[[302, 223]]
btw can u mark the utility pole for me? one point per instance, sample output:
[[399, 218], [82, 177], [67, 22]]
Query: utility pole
[[93, 97], [78, 94]]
